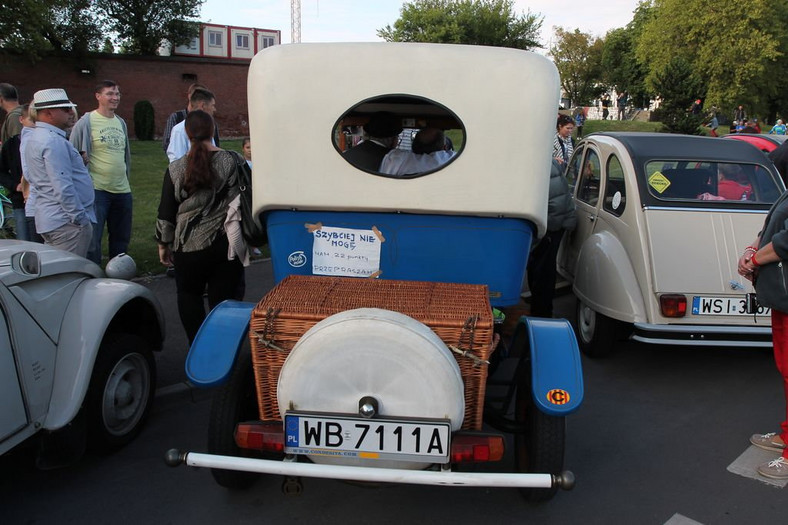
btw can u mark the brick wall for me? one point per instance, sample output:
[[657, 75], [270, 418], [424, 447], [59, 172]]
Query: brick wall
[[161, 80]]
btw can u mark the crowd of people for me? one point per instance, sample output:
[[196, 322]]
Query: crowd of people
[[68, 177]]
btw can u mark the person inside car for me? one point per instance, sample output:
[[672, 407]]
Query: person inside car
[[732, 185], [429, 152], [382, 131]]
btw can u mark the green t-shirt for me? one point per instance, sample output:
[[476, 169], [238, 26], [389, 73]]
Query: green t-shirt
[[108, 156]]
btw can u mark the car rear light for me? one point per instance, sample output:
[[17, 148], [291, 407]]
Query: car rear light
[[476, 448], [673, 305], [258, 435]]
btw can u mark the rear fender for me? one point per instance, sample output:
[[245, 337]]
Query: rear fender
[[556, 371], [606, 281], [217, 344]]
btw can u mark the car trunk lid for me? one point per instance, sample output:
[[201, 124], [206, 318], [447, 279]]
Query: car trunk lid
[[696, 251]]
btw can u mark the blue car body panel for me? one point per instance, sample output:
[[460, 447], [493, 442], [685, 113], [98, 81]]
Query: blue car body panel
[[556, 370], [215, 348], [416, 247]]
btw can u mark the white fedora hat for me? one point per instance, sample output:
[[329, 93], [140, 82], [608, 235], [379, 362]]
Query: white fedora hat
[[52, 98]]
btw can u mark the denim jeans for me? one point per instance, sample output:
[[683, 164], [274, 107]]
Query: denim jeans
[[31, 231], [115, 210], [20, 224]]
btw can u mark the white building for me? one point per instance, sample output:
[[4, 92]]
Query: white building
[[232, 42]]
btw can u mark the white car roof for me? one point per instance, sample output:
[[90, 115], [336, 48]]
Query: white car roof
[[506, 99]]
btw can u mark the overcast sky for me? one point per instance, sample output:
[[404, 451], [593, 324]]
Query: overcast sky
[[358, 20]]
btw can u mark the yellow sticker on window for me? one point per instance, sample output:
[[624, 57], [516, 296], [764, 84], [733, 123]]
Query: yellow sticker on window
[[658, 181]]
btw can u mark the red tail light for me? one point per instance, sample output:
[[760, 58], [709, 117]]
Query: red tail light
[[673, 305], [259, 435], [476, 448]]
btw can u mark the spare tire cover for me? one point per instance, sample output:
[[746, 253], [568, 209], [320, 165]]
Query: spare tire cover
[[390, 356]]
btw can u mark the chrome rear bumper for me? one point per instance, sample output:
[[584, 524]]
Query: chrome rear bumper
[[703, 335]]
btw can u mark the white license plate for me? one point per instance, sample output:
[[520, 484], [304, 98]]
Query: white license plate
[[723, 306], [356, 437]]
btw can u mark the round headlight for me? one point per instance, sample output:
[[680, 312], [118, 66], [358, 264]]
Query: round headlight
[[121, 266]]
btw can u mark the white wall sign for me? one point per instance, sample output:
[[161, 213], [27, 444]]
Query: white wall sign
[[345, 252]]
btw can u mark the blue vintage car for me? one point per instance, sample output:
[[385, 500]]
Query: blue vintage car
[[377, 356]]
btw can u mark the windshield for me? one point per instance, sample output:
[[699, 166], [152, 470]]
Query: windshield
[[701, 182]]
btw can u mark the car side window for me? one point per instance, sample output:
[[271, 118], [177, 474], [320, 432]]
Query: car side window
[[574, 167], [588, 184], [615, 189], [703, 184]]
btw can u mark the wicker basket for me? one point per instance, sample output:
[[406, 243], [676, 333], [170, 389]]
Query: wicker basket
[[459, 314]]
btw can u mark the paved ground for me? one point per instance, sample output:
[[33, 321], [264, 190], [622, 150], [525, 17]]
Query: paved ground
[[653, 443]]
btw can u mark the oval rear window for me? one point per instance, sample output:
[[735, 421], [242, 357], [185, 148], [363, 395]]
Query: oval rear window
[[399, 136]]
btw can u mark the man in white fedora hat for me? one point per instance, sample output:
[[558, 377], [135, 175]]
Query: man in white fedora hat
[[64, 190]]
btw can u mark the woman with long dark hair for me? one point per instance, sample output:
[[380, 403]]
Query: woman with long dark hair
[[195, 196]]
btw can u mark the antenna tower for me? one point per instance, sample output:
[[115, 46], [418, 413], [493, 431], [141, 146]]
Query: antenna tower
[[295, 21]]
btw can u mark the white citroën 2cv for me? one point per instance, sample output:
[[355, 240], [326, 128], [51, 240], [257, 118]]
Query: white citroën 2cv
[[377, 355]]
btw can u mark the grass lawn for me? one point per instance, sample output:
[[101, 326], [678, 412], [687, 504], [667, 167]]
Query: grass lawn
[[619, 125]]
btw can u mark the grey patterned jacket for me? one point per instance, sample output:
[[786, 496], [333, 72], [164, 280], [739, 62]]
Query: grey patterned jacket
[[189, 223]]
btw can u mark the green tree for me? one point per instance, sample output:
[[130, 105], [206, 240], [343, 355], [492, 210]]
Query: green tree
[[144, 121], [34, 27], [678, 87], [736, 48], [478, 22], [622, 68], [142, 25], [578, 57]]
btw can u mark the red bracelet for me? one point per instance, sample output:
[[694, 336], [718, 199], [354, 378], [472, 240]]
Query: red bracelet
[[754, 262]]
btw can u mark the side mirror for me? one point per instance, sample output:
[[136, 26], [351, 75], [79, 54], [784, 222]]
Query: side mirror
[[26, 263]]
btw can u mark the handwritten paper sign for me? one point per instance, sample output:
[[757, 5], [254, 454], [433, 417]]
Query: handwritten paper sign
[[346, 252]]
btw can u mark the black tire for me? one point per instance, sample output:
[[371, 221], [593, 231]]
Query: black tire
[[596, 333], [236, 401], [121, 392], [539, 448]]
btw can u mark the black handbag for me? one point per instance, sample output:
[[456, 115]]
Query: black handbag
[[253, 232]]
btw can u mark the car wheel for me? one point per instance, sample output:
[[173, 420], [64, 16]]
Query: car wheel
[[539, 447], [120, 392], [596, 333], [236, 401]]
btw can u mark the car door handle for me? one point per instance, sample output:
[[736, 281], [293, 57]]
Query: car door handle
[[592, 218]]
